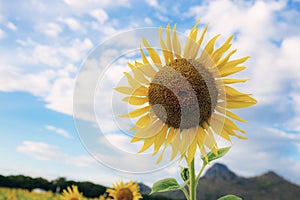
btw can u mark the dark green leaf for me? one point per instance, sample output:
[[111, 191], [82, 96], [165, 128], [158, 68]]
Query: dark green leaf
[[230, 197], [211, 156], [184, 173], [165, 185]]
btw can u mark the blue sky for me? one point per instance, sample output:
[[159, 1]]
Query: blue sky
[[43, 45]]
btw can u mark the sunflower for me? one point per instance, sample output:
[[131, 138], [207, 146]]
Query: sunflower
[[186, 101], [71, 193], [121, 191], [101, 197]]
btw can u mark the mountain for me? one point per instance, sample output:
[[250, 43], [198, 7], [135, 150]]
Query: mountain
[[219, 181]]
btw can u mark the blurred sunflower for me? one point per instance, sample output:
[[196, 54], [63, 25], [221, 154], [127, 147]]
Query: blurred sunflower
[[121, 191], [71, 193], [185, 101]]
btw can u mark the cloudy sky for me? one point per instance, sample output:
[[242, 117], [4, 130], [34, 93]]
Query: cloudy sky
[[44, 45]]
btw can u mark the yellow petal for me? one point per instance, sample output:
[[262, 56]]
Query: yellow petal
[[145, 60], [200, 141], [153, 54], [239, 104], [233, 133], [224, 135], [202, 35], [224, 60], [148, 70], [236, 62], [160, 156], [147, 144], [229, 71], [132, 82], [194, 31], [160, 138], [231, 80], [168, 40], [185, 142], [166, 53], [139, 76], [176, 43], [124, 90], [142, 122], [220, 51], [133, 100], [171, 136], [230, 114], [137, 112], [245, 97], [233, 92], [193, 145], [191, 151], [148, 131], [176, 144], [191, 45], [131, 65], [140, 91], [228, 123], [210, 46], [210, 141]]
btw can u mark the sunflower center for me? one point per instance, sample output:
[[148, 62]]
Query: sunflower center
[[74, 198], [183, 94], [124, 194]]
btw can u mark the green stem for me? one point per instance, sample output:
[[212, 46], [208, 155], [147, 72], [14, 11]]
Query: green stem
[[185, 193], [192, 181], [199, 174]]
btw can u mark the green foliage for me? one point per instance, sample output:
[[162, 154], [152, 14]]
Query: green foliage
[[156, 197], [165, 185], [184, 173], [211, 156], [88, 189], [230, 197]]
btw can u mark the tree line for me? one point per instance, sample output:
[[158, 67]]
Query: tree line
[[88, 189]]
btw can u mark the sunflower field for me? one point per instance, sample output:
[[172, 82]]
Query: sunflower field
[[22, 194]]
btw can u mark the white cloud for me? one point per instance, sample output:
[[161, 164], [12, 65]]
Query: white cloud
[[55, 86], [100, 15], [13, 79], [2, 34], [11, 26], [72, 23], [152, 3], [52, 29], [147, 20], [54, 55], [39, 150], [95, 3], [59, 131], [45, 151]]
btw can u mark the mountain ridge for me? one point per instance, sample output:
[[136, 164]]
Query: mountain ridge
[[219, 181]]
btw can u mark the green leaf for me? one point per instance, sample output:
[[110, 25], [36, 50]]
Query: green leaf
[[230, 197], [184, 173], [211, 156], [165, 185]]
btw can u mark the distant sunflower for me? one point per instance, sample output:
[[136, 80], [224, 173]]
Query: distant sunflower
[[185, 101], [71, 193], [121, 191]]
